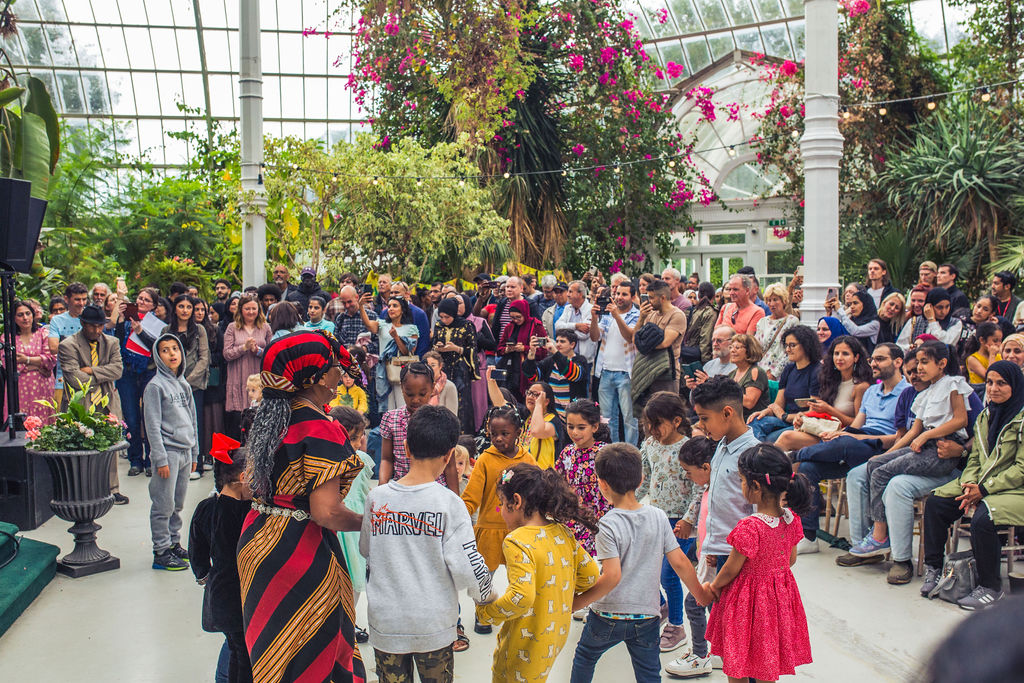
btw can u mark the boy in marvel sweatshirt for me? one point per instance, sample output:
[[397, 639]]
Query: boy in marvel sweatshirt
[[418, 541], [169, 412]]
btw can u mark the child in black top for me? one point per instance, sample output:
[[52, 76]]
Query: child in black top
[[213, 537]]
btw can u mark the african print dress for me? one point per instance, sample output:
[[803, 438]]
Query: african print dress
[[297, 602]]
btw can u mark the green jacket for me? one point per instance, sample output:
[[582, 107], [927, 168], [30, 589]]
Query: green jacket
[[1001, 472]]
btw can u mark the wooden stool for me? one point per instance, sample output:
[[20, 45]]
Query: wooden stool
[[835, 488]]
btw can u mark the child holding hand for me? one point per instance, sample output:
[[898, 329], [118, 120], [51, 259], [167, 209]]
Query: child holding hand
[[546, 568], [758, 625]]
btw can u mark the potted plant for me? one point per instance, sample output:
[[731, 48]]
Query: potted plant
[[78, 446]]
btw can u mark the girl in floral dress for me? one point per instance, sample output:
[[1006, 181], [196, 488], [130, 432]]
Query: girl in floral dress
[[758, 626], [576, 463]]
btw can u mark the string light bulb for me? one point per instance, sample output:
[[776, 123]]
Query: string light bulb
[[419, 182], [732, 150], [985, 95], [931, 105], [507, 175], [615, 170], [795, 134], [462, 183], [295, 167], [564, 173], [672, 164], [375, 180], [334, 177], [846, 112], [882, 111]]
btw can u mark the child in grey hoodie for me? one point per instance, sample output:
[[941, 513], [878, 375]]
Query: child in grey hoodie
[[170, 417]]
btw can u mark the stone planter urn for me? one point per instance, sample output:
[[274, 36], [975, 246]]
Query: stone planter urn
[[81, 495]]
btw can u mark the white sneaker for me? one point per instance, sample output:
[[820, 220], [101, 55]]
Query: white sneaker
[[716, 662], [580, 614], [690, 666], [805, 547], [194, 475]]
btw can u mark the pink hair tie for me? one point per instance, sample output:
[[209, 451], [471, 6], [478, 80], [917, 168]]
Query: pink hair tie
[[792, 476], [768, 478]]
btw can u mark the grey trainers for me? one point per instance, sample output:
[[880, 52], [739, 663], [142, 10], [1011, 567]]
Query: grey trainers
[[931, 579], [980, 598]]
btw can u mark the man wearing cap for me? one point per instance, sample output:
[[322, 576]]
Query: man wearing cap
[[89, 356], [308, 286], [560, 297]]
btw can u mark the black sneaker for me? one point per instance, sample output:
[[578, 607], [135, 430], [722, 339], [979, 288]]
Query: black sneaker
[[361, 635], [149, 471], [120, 499], [168, 561], [134, 471], [931, 579], [483, 629], [179, 552]]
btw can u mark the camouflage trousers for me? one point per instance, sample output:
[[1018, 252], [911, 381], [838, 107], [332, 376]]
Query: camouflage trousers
[[434, 667]]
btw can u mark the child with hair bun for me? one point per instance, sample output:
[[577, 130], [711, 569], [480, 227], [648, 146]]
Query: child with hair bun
[[546, 569], [758, 625]]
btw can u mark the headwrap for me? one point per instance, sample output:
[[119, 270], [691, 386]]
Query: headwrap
[[1000, 414], [835, 327], [449, 307], [870, 311], [298, 361], [522, 332], [937, 295]]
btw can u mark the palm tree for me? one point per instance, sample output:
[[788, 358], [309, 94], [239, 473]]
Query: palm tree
[[959, 178]]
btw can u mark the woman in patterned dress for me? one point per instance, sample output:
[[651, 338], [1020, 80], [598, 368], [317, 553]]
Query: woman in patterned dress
[[297, 601], [35, 363]]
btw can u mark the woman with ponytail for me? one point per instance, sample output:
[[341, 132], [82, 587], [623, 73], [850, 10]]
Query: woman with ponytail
[[300, 467], [546, 569], [758, 626]]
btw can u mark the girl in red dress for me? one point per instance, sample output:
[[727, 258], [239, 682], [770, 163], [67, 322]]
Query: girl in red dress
[[757, 625]]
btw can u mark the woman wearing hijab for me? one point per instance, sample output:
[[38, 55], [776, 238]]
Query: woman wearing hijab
[[455, 340], [829, 329], [860, 319], [937, 321], [297, 600], [992, 483], [485, 341], [515, 342]]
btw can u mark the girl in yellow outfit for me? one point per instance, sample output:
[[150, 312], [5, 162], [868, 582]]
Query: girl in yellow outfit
[[982, 350], [546, 569], [482, 490], [544, 433]]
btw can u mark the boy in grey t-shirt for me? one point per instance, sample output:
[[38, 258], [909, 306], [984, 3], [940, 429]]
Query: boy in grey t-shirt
[[624, 601]]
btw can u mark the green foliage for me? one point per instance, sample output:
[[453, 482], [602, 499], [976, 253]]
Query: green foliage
[[993, 50], [332, 204], [81, 427], [955, 182]]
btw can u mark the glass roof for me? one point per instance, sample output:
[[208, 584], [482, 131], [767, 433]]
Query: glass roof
[[133, 62]]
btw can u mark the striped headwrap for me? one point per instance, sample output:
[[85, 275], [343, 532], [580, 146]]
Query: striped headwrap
[[298, 361]]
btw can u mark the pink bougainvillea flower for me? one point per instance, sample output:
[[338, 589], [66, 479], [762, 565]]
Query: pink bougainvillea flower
[[622, 241], [608, 55], [674, 70], [616, 267], [788, 68], [579, 150], [576, 62], [661, 15]]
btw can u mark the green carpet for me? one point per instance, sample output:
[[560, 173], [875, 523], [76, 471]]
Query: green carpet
[[25, 577]]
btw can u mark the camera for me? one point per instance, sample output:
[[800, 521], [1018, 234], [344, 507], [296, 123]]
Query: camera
[[499, 375]]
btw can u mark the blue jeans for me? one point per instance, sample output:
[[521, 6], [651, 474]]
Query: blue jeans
[[373, 445], [830, 460], [671, 583], [130, 388], [899, 507], [641, 636], [769, 428], [221, 675], [615, 399]]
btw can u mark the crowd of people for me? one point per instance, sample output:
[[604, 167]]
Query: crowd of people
[[565, 422]]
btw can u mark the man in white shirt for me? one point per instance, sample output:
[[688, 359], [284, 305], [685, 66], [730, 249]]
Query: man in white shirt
[[576, 317], [614, 363]]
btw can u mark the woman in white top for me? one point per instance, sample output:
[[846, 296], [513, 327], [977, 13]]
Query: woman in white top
[[772, 328], [844, 377], [445, 393], [940, 325]]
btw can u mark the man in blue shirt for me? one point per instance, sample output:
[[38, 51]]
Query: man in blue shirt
[[614, 363], [65, 324], [872, 431]]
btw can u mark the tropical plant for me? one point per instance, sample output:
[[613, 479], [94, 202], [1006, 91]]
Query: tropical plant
[[539, 88], [958, 177], [81, 427], [408, 210]]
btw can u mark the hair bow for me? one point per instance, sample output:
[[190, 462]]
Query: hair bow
[[221, 447], [506, 476]]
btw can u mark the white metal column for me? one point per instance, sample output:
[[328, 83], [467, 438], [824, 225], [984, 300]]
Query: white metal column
[[822, 151], [250, 87]]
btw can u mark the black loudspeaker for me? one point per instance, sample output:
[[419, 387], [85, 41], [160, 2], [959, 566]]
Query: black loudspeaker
[[26, 485], [21, 219]]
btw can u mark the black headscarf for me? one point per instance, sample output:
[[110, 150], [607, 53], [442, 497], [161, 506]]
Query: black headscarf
[[1000, 414], [450, 307], [869, 312], [938, 295]]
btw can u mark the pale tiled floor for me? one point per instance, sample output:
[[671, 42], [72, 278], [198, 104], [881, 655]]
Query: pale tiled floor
[[140, 625]]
